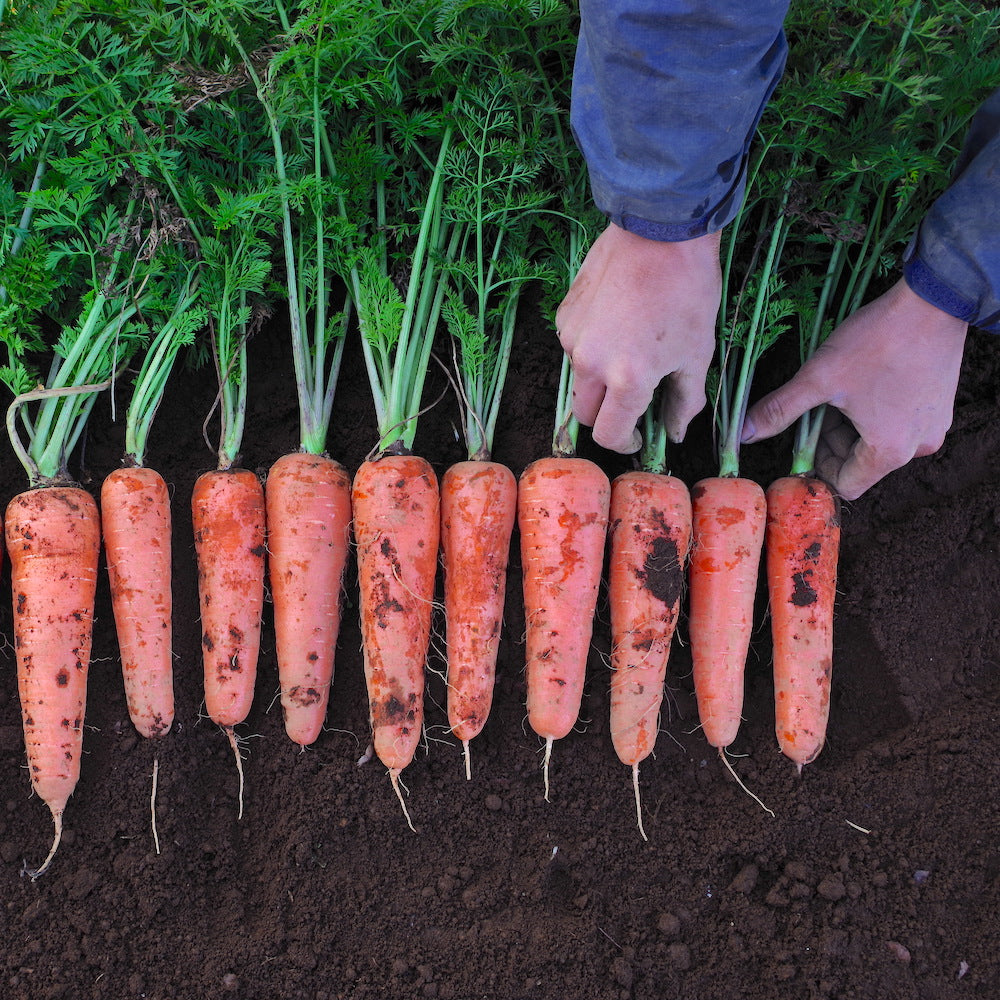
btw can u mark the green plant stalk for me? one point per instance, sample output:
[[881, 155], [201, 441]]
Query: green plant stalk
[[732, 419], [50, 431], [63, 414], [150, 383], [29, 208], [397, 381], [483, 387], [725, 388], [232, 371], [567, 427], [495, 389], [653, 457], [809, 426]]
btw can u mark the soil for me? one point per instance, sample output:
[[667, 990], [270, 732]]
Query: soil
[[877, 877]]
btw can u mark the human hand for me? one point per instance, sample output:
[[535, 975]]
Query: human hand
[[891, 370], [640, 310]]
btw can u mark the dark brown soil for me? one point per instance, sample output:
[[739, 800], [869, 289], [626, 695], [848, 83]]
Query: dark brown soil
[[878, 877]]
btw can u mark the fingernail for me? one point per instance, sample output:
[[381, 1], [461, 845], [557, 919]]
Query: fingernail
[[749, 431]]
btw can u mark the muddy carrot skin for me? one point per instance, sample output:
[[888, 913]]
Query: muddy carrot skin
[[478, 508], [397, 529], [563, 520], [135, 518], [308, 531], [53, 537], [650, 532], [803, 546], [228, 518], [728, 519]]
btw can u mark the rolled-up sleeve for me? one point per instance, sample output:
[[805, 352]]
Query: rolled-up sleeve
[[666, 99], [954, 260]]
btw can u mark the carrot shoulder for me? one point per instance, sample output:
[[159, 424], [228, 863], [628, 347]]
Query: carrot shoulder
[[397, 528], [803, 544], [650, 534], [53, 539], [728, 518], [478, 508], [135, 518], [563, 519], [308, 539]]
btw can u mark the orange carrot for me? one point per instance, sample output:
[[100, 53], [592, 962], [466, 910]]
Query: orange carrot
[[308, 523], [650, 533], [53, 536], [803, 544], [227, 514], [562, 514], [728, 516], [396, 527], [478, 507], [135, 517]]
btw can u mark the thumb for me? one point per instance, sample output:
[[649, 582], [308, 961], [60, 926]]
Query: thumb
[[781, 408], [864, 467]]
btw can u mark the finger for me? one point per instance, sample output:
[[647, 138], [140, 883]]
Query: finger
[[614, 427], [683, 399], [865, 466], [588, 395], [781, 408], [839, 438]]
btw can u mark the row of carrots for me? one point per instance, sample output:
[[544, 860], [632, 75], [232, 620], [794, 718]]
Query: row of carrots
[[298, 532]]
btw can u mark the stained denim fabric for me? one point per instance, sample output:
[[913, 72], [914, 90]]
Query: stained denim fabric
[[954, 260], [666, 99]]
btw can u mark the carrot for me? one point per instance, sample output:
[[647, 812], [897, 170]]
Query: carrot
[[309, 521], [395, 494], [53, 530], [729, 512], [396, 527], [307, 493], [228, 518], [728, 517], [650, 532], [135, 515], [803, 542], [53, 538], [478, 507], [562, 514]]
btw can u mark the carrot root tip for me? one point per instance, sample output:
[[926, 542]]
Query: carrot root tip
[[396, 787], [57, 822], [152, 803], [638, 801], [468, 760], [231, 733], [739, 781], [545, 766]]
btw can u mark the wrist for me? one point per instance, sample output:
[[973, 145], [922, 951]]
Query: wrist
[[694, 249], [926, 313]]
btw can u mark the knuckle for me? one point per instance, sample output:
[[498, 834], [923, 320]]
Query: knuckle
[[892, 455], [772, 412]]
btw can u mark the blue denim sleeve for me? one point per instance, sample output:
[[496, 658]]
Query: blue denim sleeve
[[954, 260], [666, 99]]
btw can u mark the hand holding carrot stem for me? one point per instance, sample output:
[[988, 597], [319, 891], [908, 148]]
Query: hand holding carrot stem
[[637, 312], [891, 369]]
